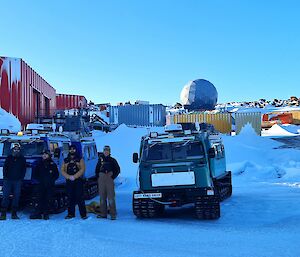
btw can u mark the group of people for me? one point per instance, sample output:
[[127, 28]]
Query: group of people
[[46, 173]]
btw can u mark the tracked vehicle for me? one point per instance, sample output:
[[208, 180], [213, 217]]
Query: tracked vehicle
[[181, 166], [32, 146]]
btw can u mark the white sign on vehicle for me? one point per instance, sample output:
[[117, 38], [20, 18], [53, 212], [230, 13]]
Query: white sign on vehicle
[[173, 179], [1, 172], [148, 195]]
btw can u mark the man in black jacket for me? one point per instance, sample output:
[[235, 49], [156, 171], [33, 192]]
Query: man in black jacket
[[13, 174], [107, 170], [46, 173]]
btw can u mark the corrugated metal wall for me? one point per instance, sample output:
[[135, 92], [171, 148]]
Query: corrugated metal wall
[[296, 117], [67, 102], [138, 115], [221, 121], [23, 92], [253, 118]]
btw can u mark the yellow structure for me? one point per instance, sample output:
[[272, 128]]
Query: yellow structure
[[296, 117], [223, 122]]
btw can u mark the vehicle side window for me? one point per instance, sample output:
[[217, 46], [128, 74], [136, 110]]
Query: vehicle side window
[[223, 150], [65, 149], [216, 151], [219, 149], [89, 152], [53, 146], [95, 152], [86, 152]]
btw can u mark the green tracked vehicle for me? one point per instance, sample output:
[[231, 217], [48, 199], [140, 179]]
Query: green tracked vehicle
[[182, 166]]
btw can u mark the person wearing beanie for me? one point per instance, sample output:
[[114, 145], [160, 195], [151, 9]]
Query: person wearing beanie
[[46, 174], [13, 174]]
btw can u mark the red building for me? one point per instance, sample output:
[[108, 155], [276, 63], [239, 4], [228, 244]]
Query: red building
[[67, 102], [25, 94]]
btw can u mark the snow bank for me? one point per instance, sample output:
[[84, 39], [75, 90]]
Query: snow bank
[[280, 130], [124, 141], [8, 121], [252, 157], [295, 129]]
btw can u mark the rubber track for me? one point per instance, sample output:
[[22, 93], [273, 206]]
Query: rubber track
[[207, 207], [145, 208]]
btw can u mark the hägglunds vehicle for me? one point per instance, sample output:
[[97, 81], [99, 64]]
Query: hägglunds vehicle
[[181, 167], [32, 146]]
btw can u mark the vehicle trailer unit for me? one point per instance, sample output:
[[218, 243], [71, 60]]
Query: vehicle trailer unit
[[58, 144], [181, 167]]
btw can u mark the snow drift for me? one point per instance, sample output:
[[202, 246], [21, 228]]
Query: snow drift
[[8, 121]]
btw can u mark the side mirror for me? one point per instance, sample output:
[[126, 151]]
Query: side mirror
[[56, 153], [211, 153], [135, 157]]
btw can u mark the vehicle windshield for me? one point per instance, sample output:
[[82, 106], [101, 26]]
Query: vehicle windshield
[[174, 151], [27, 148]]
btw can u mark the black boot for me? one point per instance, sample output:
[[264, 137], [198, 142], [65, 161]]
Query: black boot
[[35, 216], [45, 216], [69, 216], [3, 214], [14, 215]]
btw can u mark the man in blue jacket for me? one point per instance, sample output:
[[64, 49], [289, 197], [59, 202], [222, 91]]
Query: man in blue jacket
[[13, 174]]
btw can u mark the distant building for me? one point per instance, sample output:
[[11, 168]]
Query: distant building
[[138, 115], [26, 95], [67, 102], [23, 92]]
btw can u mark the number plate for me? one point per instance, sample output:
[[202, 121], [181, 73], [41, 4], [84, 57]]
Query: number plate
[[148, 195]]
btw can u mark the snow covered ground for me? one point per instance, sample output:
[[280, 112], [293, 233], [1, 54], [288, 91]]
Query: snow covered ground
[[262, 218]]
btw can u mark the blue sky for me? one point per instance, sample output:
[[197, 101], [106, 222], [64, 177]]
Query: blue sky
[[113, 51]]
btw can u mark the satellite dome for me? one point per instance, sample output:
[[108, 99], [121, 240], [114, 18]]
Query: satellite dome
[[199, 94]]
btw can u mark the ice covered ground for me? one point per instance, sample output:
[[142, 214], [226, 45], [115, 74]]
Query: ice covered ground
[[262, 218]]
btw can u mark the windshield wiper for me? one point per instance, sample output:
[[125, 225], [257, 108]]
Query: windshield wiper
[[185, 143], [155, 143]]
